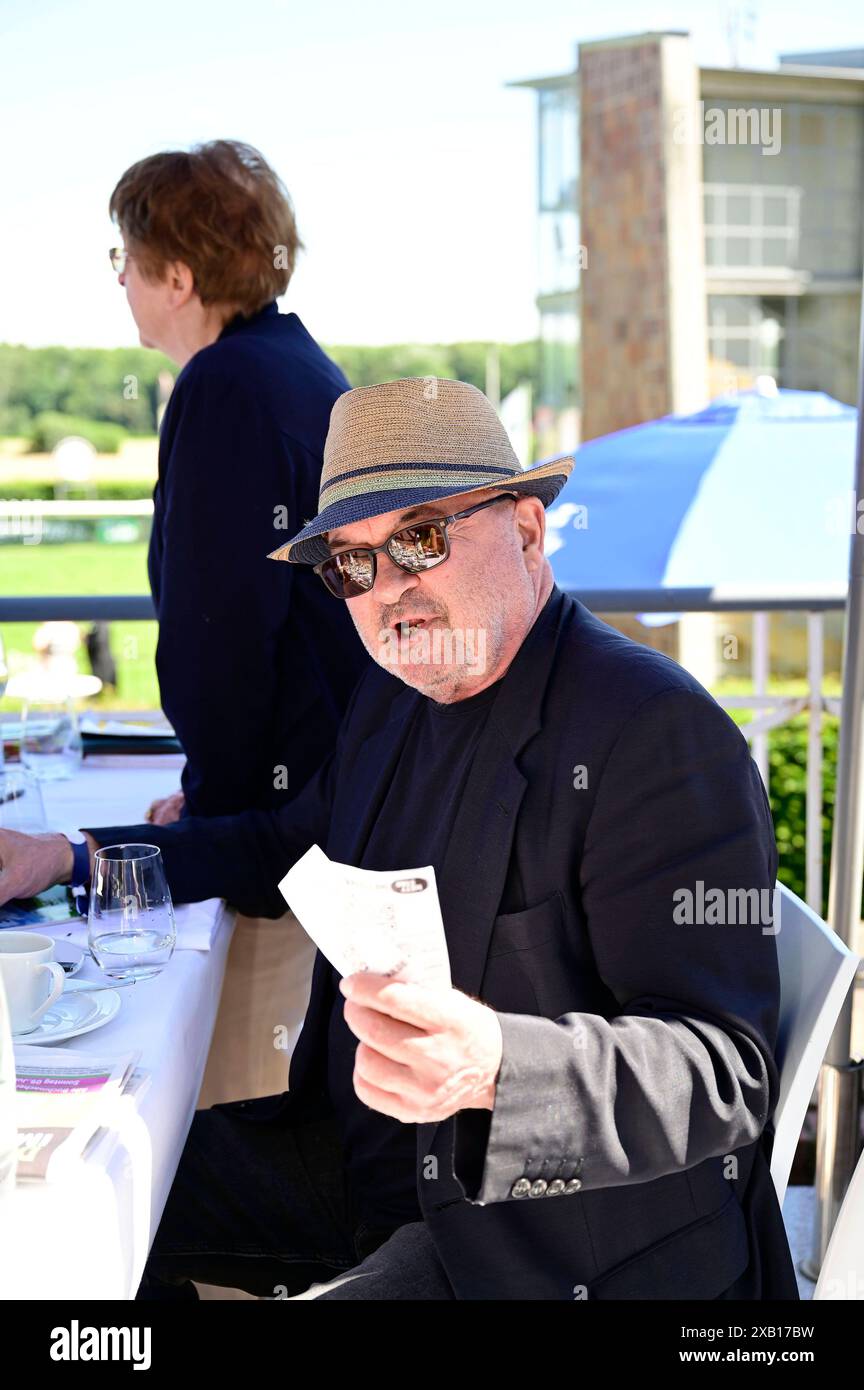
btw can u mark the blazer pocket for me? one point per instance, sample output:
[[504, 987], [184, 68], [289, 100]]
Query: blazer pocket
[[533, 926], [525, 954], [699, 1261]]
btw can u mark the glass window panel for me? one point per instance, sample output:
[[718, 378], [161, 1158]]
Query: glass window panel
[[775, 251], [738, 352], [738, 250], [740, 209], [559, 147], [559, 252], [734, 310]]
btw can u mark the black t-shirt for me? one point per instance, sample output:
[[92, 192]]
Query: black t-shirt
[[412, 830]]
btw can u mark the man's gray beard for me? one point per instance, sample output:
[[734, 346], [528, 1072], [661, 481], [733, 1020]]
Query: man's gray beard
[[450, 681]]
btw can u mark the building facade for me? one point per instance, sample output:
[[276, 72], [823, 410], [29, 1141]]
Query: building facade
[[697, 227]]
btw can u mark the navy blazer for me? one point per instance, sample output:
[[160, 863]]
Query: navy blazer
[[628, 1152], [255, 659]]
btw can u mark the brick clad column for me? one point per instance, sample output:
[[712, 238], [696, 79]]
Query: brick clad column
[[644, 346]]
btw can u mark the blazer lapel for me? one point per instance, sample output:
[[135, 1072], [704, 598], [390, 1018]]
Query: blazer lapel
[[478, 855]]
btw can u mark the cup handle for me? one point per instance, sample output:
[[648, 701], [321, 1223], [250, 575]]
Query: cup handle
[[59, 976]]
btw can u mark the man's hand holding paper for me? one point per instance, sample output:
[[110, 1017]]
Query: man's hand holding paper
[[424, 1053], [425, 1049]]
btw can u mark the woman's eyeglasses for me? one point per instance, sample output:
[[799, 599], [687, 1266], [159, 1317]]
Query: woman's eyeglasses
[[422, 546], [118, 256]]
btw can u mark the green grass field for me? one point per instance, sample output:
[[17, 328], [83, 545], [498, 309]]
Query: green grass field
[[86, 568]]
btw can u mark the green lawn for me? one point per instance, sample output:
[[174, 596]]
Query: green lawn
[[86, 568]]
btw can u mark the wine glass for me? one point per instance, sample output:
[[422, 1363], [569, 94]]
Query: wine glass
[[50, 739], [131, 928], [21, 806]]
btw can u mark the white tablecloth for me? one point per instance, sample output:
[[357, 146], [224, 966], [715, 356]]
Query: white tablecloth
[[89, 1238]]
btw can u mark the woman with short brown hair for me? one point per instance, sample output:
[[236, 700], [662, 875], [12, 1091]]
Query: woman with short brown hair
[[222, 211], [255, 661], [255, 666]]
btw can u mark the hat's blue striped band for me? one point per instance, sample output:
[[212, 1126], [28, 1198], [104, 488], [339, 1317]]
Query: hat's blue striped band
[[381, 476]]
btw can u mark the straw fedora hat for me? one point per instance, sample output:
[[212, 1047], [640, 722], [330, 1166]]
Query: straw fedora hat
[[393, 446]]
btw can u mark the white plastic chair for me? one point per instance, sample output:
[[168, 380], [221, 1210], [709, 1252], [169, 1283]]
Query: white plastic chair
[[842, 1272], [816, 971]]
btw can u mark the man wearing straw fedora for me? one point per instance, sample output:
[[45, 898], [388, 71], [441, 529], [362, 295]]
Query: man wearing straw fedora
[[586, 1113]]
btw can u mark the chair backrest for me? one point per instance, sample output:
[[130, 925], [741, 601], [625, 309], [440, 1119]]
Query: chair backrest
[[842, 1272], [816, 971]]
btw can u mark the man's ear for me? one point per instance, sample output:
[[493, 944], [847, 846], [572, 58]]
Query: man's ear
[[531, 521]]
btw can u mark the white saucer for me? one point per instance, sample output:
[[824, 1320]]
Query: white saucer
[[71, 1015]]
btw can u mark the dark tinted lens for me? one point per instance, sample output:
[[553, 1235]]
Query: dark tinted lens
[[418, 547], [349, 574]]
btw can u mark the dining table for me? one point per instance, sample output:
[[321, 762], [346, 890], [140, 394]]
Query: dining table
[[86, 1233]]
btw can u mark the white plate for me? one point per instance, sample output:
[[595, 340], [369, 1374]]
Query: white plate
[[71, 1015], [126, 728]]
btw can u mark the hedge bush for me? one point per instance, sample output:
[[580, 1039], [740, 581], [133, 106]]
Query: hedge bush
[[787, 756], [116, 490], [49, 427], [14, 420]]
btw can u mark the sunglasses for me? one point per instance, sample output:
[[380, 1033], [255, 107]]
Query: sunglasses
[[422, 546]]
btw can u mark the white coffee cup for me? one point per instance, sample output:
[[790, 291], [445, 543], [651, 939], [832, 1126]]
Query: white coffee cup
[[28, 970]]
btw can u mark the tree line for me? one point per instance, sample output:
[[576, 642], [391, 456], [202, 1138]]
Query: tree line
[[121, 386]]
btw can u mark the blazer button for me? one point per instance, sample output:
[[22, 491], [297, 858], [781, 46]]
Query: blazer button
[[573, 1186], [520, 1188], [555, 1188], [538, 1188]]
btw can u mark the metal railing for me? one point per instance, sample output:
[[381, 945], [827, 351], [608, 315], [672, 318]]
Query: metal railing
[[80, 608]]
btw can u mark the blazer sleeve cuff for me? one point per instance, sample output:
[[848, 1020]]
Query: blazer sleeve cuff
[[510, 1154]]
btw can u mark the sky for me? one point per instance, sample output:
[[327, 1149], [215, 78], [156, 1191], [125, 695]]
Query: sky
[[410, 162]]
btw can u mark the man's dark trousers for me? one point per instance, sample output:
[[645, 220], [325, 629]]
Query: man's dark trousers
[[260, 1206]]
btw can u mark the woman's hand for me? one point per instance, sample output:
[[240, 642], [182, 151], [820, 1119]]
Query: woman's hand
[[166, 810]]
